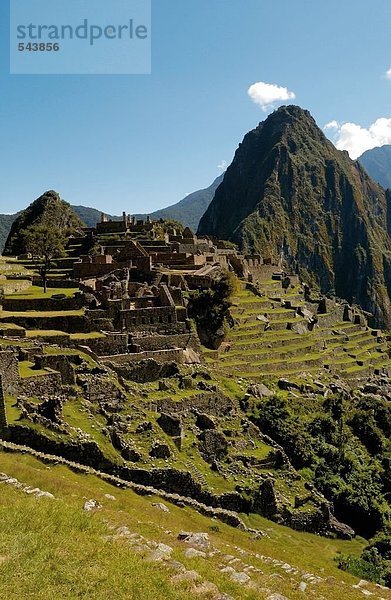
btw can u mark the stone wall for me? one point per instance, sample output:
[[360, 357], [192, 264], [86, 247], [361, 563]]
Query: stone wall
[[9, 370], [3, 411], [259, 273], [13, 286], [42, 304], [67, 323], [212, 403], [161, 356], [148, 343], [87, 270], [57, 340], [41, 385], [12, 330], [85, 452], [101, 389], [60, 363], [144, 371], [148, 317], [56, 283], [112, 344]]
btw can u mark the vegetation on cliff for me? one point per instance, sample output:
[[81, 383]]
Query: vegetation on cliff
[[342, 445], [290, 194], [210, 309], [47, 210]]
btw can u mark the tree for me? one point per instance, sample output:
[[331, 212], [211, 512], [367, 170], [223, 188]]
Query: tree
[[46, 243]]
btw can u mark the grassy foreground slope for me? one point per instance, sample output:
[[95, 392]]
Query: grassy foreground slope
[[52, 548]]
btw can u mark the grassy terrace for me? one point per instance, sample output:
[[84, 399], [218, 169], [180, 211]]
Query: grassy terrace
[[4, 315], [93, 335], [35, 292], [97, 563], [26, 370], [256, 353], [44, 333]]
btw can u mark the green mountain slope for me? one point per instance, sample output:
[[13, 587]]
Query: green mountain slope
[[290, 194], [377, 163], [48, 208]]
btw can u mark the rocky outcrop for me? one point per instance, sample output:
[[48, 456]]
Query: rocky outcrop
[[213, 445], [171, 425]]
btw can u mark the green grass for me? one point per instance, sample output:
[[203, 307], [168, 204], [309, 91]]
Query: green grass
[[26, 370], [76, 416], [87, 336], [52, 549], [42, 313], [12, 411], [34, 333], [36, 292]]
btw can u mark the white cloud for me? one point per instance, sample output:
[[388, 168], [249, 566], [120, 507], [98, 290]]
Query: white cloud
[[333, 125], [356, 139], [388, 74], [222, 166], [265, 94]]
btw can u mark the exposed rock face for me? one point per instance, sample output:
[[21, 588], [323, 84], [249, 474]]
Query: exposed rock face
[[266, 503], [171, 425], [160, 450], [213, 445], [47, 209], [289, 193], [204, 421]]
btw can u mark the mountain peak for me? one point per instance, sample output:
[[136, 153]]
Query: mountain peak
[[48, 208], [377, 162], [290, 193]]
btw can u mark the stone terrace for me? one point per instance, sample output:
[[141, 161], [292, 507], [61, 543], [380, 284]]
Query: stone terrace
[[272, 339]]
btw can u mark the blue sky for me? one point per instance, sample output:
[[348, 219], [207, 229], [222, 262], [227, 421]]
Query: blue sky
[[141, 142]]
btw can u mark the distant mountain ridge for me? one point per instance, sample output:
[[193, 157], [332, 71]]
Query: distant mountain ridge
[[377, 163], [188, 211], [290, 193]]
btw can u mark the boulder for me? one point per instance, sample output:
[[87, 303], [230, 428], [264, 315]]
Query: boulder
[[300, 328], [160, 450], [341, 530], [196, 540], [324, 306], [194, 553], [171, 425], [285, 384], [164, 386], [186, 383], [213, 445], [161, 506], [143, 427], [259, 390], [129, 453], [240, 578], [91, 505], [348, 313], [266, 503], [263, 318], [304, 312], [204, 421]]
